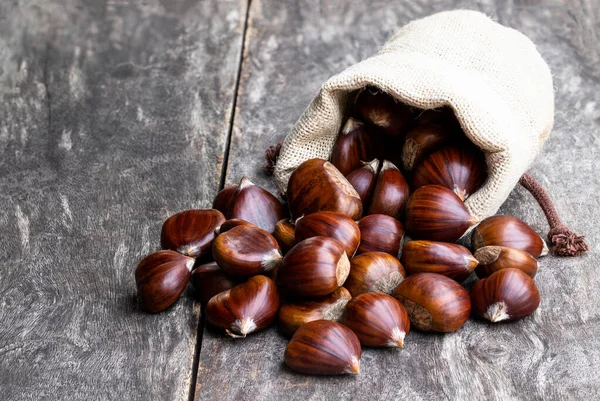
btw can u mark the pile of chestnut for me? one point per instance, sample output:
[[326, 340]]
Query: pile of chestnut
[[335, 272]]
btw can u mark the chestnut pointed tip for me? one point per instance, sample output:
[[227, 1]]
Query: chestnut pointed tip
[[350, 125], [496, 312], [241, 328], [545, 249], [354, 368], [189, 264], [397, 338], [189, 250], [272, 260], [244, 183]]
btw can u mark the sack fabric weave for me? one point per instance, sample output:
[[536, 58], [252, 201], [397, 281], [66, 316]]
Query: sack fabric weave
[[493, 78]]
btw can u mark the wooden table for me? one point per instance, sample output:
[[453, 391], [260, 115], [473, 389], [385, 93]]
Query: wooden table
[[117, 114]]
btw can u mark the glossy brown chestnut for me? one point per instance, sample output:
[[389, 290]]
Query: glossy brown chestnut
[[224, 197], [255, 205], [384, 111], [377, 319], [316, 185], [435, 213], [451, 260], [390, 193], [421, 141], [314, 268], [434, 302], [356, 143], [246, 308], [330, 224], [510, 232], [380, 233], [494, 258], [161, 277], [374, 272], [229, 224], [460, 169], [363, 180], [246, 251], [209, 280], [285, 234], [323, 347], [508, 294], [331, 307], [191, 232]]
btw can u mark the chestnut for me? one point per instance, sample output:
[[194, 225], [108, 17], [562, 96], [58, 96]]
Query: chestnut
[[246, 308], [421, 141], [508, 294], [191, 232], [460, 169], [313, 268], [494, 258], [331, 307], [435, 213], [330, 224], [510, 232], [223, 198], [209, 280], [161, 277], [374, 272], [255, 205], [316, 185], [384, 111], [380, 233], [245, 251], [434, 302], [377, 319], [451, 260], [356, 143], [390, 193], [285, 234], [323, 347], [363, 180]]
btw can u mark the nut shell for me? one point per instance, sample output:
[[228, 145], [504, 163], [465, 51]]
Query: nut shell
[[313, 268], [246, 308], [494, 258], [161, 277], [377, 319], [374, 272], [451, 260], [507, 295], [460, 169], [316, 185], [380, 233], [331, 307], [323, 347], [285, 234], [356, 143], [209, 280], [436, 213], [510, 232], [421, 141], [255, 205], [229, 224], [363, 180], [330, 224], [224, 197], [434, 302], [245, 251], [191, 232], [383, 111], [390, 193]]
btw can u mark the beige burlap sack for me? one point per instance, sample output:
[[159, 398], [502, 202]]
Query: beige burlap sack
[[492, 76]]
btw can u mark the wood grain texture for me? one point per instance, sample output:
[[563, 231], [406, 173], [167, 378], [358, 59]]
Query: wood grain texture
[[113, 116], [294, 46]]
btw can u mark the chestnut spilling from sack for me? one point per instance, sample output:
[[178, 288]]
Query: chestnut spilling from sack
[[363, 250]]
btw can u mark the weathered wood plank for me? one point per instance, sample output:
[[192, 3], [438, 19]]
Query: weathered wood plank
[[113, 115], [294, 46]]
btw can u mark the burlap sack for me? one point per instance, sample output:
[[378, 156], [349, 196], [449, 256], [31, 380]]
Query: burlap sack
[[492, 76]]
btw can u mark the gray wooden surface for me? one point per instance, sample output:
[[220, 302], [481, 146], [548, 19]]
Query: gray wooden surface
[[114, 115]]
